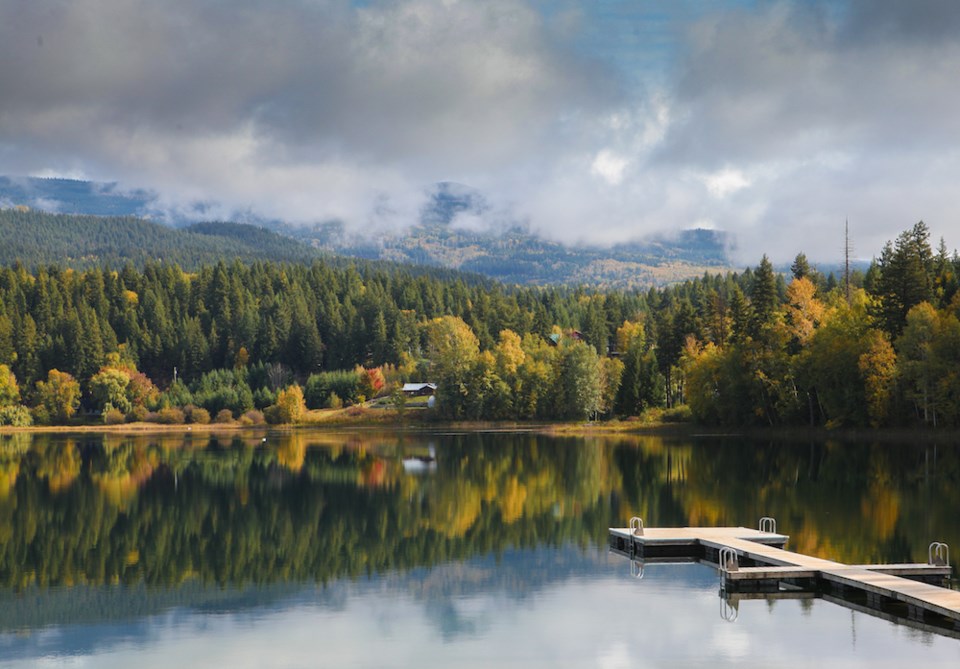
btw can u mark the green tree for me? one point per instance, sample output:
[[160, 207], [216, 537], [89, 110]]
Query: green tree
[[579, 394], [763, 297], [918, 364], [904, 278], [109, 387], [800, 267], [453, 350]]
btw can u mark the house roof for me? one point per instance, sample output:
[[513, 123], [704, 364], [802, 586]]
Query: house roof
[[414, 387]]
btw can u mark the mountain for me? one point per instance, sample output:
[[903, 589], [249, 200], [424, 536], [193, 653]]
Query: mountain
[[453, 233], [37, 238]]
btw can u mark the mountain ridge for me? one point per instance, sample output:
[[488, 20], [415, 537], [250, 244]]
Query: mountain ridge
[[505, 251]]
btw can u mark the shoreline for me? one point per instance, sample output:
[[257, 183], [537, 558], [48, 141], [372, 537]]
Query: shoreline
[[560, 429]]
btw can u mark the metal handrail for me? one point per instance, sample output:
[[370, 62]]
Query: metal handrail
[[768, 525], [729, 559], [636, 526], [938, 554], [728, 611]]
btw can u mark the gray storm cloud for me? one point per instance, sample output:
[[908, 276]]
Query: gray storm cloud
[[775, 123]]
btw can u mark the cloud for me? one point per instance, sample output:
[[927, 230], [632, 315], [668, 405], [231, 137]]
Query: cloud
[[774, 121], [837, 114], [303, 110]]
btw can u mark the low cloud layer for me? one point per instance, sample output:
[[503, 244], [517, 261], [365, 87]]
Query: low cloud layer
[[775, 123]]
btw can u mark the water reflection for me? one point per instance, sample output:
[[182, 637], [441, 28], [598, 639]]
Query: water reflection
[[182, 532], [244, 508]]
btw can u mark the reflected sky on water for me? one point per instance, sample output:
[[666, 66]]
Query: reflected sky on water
[[497, 557]]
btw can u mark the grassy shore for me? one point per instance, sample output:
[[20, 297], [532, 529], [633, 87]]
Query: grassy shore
[[416, 418]]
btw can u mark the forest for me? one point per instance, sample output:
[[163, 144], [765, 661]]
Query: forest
[[878, 349]]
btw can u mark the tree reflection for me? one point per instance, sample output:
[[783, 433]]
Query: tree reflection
[[239, 508]]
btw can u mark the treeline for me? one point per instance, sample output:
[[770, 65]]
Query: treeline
[[750, 348], [234, 335], [882, 353]]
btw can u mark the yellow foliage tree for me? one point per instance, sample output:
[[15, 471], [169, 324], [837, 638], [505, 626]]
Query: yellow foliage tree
[[804, 311], [9, 390], [878, 368], [290, 404], [629, 333], [59, 395]]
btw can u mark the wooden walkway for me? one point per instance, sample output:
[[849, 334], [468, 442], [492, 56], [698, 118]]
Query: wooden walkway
[[751, 558]]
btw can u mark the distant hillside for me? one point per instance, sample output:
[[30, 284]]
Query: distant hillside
[[446, 236], [35, 237]]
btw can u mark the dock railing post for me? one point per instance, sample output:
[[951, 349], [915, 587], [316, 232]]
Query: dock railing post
[[636, 526]]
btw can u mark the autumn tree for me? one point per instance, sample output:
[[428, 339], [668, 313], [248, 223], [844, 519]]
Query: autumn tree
[[9, 390], [804, 311], [59, 396], [290, 406], [878, 369]]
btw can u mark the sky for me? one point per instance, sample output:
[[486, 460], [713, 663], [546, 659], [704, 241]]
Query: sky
[[597, 121]]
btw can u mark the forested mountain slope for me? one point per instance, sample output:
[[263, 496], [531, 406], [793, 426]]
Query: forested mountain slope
[[34, 238], [451, 232]]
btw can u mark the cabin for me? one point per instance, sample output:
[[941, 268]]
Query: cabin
[[574, 335], [419, 389]]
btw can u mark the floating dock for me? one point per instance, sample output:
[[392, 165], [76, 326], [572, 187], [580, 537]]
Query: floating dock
[[755, 562]]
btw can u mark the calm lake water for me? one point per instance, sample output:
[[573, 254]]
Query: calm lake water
[[347, 549]]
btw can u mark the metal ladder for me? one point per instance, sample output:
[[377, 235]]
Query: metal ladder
[[938, 554]]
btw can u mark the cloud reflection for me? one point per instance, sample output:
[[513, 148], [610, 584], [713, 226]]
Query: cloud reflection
[[597, 617]]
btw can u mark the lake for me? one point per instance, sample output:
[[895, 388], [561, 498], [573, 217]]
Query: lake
[[373, 549]]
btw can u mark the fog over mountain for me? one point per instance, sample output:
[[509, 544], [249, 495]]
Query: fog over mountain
[[603, 121], [90, 222]]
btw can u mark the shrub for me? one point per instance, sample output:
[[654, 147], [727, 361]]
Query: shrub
[[678, 414], [334, 402], [170, 416], [252, 417], [224, 416], [272, 414], [41, 415], [197, 415], [112, 416], [137, 414], [16, 416]]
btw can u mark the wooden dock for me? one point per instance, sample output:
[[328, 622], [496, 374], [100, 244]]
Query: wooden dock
[[754, 561]]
